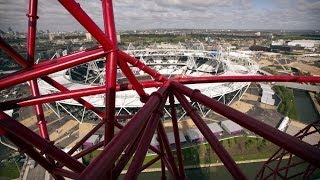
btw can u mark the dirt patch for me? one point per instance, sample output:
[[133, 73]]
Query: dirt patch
[[305, 67], [263, 63]]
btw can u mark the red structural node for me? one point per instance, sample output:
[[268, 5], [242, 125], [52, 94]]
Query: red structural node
[[133, 139]]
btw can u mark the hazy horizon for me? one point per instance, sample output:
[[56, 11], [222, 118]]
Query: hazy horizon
[[279, 15]]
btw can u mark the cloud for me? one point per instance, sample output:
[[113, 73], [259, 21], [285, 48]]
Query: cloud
[[151, 14]]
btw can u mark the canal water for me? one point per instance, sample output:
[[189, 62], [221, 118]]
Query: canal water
[[220, 172], [307, 113]]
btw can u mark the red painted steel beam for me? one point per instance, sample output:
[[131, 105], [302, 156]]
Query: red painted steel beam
[[164, 159], [78, 13], [137, 161], [292, 144], [136, 63], [111, 72], [164, 139], [11, 52], [108, 40], [49, 80], [152, 148], [146, 84], [211, 138], [88, 150], [176, 136], [32, 30], [48, 68], [31, 152], [100, 165], [247, 78], [86, 137], [133, 80], [12, 126], [78, 99], [42, 128], [68, 94], [41, 122], [149, 163], [126, 155]]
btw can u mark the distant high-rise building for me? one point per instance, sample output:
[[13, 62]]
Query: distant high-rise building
[[258, 33], [51, 36], [88, 37], [118, 38]]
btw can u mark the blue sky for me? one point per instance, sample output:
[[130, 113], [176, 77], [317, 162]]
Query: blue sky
[[151, 14]]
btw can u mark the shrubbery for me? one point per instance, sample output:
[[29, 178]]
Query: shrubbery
[[287, 106]]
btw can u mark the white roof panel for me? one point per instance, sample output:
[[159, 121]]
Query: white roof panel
[[231, 126], [194, 134]]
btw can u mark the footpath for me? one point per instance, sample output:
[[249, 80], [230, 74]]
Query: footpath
[[208, 165]]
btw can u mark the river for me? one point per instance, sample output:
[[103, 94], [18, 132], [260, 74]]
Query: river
[[307, 113]]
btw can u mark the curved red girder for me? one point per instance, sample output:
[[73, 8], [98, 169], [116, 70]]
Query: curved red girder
[[134, 138]]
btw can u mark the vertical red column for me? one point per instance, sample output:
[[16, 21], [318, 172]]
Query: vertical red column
[[111, 70], [32, 30], [110, 75]]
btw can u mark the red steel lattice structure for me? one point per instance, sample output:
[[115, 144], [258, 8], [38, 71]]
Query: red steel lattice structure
[[133, 140]]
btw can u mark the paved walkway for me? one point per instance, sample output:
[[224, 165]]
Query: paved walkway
[[208, 165], [299, 86]]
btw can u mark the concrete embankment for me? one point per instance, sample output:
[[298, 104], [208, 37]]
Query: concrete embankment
[[315, 102]]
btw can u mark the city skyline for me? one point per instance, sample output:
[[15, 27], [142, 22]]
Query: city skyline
[[172, 14]]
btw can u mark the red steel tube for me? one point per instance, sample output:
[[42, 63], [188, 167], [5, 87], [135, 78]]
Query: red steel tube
[[291, 144], [11, 125], [88, 150], [78, 99], [87, 136], [16, 56], [111, 71], [148, 164], [22, 102], [78, 13], [30, 151], [126, 155], [133, 80], [11, 52], [111, 152], [39, 111], [32, 29], [164, 159], [57, 65], [99, 90], [136, 63], [110, 97], [152, 148], [247, 78], [164, 139], [87, 22], [176, 136], [137, 161], [211, 138]]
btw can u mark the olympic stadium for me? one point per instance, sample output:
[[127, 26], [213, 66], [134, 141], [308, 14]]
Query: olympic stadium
[[172, 63]]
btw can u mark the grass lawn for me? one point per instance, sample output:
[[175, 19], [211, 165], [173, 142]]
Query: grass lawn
[[8, 170], [287, 106], [240, 148]]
